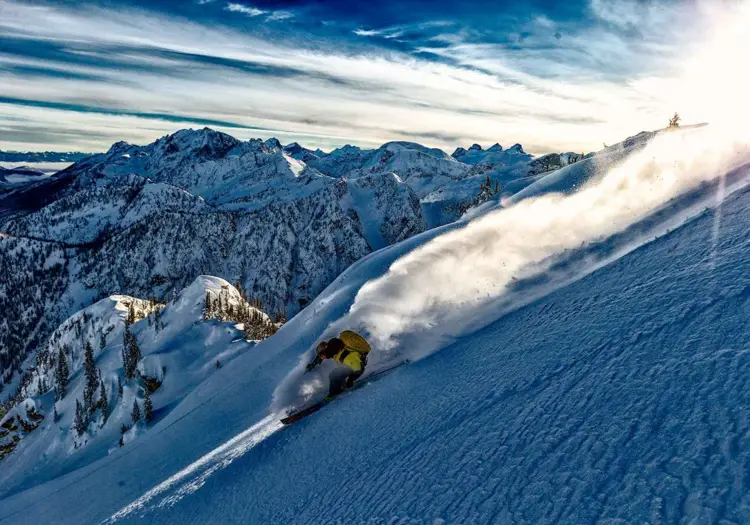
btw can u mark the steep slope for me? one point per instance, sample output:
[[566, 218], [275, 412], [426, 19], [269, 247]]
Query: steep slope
[[180, 348], [604, 313], [101, 211], [34, 274], [613, 399]]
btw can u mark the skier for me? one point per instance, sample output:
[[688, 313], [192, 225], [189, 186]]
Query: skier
[[350, 350]]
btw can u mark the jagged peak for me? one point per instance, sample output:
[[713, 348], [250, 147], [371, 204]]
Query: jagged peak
[[119, 147], [475, 147], [402, 145], [516, 148], [460, 152], [195, 138], [495, 147], [347, 149]]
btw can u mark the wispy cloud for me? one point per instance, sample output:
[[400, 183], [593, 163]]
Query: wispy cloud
[[366, 32], [437, 82], [279, 15], [244, 9]]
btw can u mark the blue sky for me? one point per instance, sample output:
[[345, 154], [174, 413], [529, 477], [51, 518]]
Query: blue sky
[[551, 75]]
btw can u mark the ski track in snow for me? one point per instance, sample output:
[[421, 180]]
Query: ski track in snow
[[194, 476]]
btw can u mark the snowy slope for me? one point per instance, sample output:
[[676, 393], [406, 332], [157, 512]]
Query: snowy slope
[[178, 354], [601, 387]]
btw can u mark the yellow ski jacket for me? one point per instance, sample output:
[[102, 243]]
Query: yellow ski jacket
[[354, 354]]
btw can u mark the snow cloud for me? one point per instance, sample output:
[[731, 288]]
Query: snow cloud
[[466, 278]]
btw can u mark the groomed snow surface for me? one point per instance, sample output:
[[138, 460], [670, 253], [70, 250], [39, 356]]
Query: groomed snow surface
[[609, 384]]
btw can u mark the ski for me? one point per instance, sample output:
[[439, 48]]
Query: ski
[[300, 414]]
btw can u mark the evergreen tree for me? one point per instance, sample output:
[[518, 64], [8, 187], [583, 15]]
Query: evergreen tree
[[148, 407], [134, 356], [102, 340], [119, 388], [103, 401], [81, 419], [157, 319], [131, 354], [92, 381], [218, 364], [131, 315], [61, 374], [136, 413], [674, 122]]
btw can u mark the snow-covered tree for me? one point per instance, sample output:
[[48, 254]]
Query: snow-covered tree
[[81, 421], [157, 319], [148, 407], [136, 412], [91, 377], [103, 401], [131, 354], [61, 374], [208, 307], [131, 315]]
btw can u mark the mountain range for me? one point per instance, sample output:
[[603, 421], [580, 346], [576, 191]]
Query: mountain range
[[24, 157], [283, 221]]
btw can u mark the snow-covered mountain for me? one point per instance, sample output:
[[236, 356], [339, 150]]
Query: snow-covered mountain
[[179, 347], [578, 354], [146, 220], [23, 157], [283, 221]]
